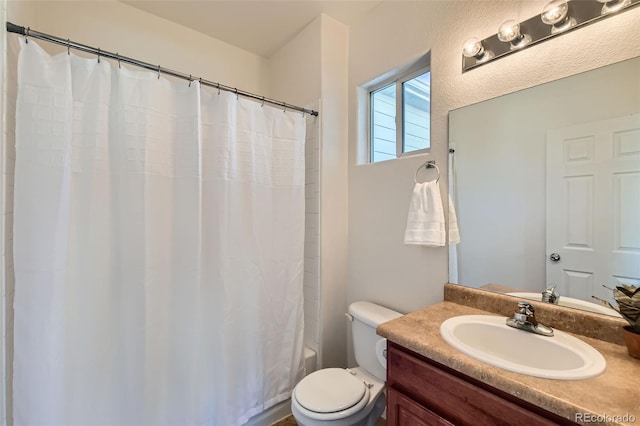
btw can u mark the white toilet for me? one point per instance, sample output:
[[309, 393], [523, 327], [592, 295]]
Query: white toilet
[[348, 397]]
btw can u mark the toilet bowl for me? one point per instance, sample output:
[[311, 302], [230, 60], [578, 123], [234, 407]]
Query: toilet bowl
[[338, 397], [348, 397]]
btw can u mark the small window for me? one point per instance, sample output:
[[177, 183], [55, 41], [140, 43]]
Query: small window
[[400, 113]]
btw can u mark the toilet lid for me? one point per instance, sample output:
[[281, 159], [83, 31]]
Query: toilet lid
[[329, 390]]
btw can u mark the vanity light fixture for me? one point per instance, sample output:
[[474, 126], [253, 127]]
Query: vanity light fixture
[[558, 17], [509, 32], [556, 14]]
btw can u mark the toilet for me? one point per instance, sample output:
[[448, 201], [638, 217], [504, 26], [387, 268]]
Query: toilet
[[354, 396]]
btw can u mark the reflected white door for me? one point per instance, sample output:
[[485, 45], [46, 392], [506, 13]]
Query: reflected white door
[[593, 206]]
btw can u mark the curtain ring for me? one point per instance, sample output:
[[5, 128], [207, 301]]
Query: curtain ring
[[26, 35], [118, 56], [189, 80], [237, 98], [285, 107], [98, 55], [262, 104], [158, 72], [68, 47], [218, 89]]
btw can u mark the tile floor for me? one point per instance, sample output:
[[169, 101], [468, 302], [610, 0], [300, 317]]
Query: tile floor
[[287, 421]]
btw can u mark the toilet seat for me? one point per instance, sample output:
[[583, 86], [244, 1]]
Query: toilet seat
[[330, 394]]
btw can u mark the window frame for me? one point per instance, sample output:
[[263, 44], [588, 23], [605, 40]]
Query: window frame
[[397, 79]]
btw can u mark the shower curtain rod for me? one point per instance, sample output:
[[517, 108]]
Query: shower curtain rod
[[28, 32]]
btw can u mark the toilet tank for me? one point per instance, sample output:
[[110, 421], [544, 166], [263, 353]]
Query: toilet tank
[[366, 317]]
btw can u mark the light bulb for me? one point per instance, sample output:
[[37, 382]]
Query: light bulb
[[610, 6], [509, 31], [555, 13], [472, 48]]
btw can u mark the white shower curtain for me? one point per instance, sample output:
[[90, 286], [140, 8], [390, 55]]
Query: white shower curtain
[[158, 248]]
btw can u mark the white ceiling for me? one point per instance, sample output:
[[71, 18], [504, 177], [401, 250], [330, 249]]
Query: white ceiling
[[258, 26]]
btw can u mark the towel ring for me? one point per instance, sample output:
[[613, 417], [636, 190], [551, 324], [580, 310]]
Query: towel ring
[[427, 165]]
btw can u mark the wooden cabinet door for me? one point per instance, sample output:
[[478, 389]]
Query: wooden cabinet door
[[446, 394], [403, 411]]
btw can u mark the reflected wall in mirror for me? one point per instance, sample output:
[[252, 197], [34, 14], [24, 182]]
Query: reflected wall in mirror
[[551, 172]]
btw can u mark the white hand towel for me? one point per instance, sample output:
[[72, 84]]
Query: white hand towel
[[454, 232], [425, 221]]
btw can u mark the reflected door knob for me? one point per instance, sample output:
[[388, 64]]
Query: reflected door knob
[[555, 257]]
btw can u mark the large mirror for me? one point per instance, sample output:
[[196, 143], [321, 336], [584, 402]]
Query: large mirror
[[546, 185]]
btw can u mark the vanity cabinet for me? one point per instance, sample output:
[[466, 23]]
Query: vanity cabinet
[[422, 392]]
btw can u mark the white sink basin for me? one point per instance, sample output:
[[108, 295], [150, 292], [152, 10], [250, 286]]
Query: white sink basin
[[487, 338], [570, 302]]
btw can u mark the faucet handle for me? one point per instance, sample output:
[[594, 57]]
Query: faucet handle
[[527, 309], [527, 313]]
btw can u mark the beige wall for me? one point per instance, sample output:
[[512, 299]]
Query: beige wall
[[294, 69], [313, 65], [334, 195], [381, 268], [117, 27]]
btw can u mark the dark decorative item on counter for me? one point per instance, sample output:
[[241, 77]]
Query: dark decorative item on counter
[[628, 299]]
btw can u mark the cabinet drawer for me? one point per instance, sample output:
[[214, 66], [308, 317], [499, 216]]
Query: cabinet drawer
[[457, 398], [403, 411]]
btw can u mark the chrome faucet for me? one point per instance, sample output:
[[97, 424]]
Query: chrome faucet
[[526, 320], [550, 295]]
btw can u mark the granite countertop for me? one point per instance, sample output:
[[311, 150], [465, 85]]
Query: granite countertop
[[614, 393]]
